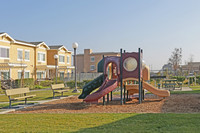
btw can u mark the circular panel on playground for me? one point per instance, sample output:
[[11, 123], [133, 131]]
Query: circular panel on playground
[[130, 64]]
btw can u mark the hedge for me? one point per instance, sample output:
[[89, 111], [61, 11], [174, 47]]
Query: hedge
[[28, 82], [179, 78], [71, 84]]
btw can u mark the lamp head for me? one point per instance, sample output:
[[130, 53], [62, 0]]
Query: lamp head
[[55, 56], [75, 45]]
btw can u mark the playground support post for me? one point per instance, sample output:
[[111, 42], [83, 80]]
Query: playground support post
[[124, 88], [121, 86], [127, 95], [124, 94], [111, 96], [103, 80], [103, 100], [139, 76], [142, 91], [108, 98]]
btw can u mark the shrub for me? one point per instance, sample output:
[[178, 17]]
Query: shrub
[[71, 84], [29, 82], [185, 81], [46, 83], [38, 87], [179, 78], [80, 84], [198, 79], [86, 81], [191, 80]]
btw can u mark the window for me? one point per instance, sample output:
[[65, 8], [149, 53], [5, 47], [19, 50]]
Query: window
[[61, 58], [19, 54], [40, 75], [92, 59], [61, 75], [26, 75], [92, 67], [5, 75], [41, 57], [68, 59], [4, 52], [27, 55], [19, 74]]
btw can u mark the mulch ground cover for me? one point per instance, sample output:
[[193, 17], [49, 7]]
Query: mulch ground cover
[[176, 103]]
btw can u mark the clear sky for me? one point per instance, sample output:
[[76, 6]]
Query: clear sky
[[157, 26]]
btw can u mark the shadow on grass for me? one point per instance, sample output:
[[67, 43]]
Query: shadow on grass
[[150, 123]]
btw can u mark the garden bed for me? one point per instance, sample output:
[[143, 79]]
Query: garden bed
[[177, 103]]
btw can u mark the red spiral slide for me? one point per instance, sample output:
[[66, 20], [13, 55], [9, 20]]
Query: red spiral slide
[[106, 87]]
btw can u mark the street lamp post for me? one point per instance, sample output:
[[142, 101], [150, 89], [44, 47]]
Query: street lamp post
[[56, 65], [75, 46]]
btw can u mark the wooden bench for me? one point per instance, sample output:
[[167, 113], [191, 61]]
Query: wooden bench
[[21, 92], [58, 88]]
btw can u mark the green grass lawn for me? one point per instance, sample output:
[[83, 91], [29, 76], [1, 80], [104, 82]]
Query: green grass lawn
[[40, 95], [194, 91], [94, 123], [195, 87]]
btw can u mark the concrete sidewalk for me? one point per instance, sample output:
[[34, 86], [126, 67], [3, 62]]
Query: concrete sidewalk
[[17, 107]]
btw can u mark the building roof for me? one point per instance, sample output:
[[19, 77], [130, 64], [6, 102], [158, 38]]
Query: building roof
[[25, 43], [102, 53], [32, 43], [55, 46], [22, 41], [59, 47], [36, 43], [106, 53], [2, 32]]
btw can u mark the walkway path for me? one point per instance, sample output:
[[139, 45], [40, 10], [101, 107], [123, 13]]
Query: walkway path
[[17, 107]]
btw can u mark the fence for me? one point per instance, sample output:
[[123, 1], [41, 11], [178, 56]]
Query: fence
[[80, 76]]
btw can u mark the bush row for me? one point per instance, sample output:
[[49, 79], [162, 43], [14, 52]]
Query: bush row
[[47, 83], [71, 84]]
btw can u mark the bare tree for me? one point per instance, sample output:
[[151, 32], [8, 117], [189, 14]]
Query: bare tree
[[191, 58], [175, 59]]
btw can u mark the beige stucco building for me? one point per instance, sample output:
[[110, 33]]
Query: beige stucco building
[[29, 59], [63, 62], [87, 62]]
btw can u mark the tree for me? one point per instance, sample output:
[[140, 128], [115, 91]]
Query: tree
[[175, 59], [191, 58]]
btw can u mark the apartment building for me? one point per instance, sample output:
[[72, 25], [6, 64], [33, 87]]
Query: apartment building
[[88, 61], [63, 62], [26, 59], [16, 56], [191, 67]]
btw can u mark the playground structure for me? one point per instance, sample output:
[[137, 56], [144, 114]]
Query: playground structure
[[127, 71]]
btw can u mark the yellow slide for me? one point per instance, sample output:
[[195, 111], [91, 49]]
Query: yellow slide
[[156, 91]]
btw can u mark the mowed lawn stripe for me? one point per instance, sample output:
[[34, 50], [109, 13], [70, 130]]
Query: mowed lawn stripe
[[105, 122]]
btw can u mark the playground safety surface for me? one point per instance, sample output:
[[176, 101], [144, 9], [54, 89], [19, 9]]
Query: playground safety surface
[[176, 103]]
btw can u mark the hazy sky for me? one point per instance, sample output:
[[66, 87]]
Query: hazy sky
[[157, 26]]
